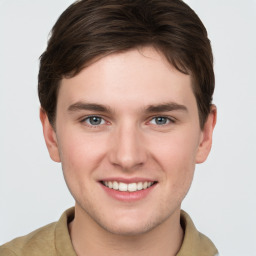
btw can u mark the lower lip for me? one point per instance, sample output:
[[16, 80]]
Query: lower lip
[[128, 196]]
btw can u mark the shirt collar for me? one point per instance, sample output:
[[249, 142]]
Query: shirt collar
[[194, 243]]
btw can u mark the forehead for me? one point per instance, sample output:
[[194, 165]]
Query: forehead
[[141, 76]]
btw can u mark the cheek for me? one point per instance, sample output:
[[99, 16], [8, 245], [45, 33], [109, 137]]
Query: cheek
[[80, 154], [177, 157], [180, 148]]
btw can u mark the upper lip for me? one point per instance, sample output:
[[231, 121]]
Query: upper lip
[[128, 180]]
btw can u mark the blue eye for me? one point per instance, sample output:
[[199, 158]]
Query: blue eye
[[94, 120], [160, 120]]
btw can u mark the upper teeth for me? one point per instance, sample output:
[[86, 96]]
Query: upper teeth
[[131, 187]]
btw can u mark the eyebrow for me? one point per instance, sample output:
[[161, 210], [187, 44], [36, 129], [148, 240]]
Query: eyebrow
[[166, 107], [88, 106]]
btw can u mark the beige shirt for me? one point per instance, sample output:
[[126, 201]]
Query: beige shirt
[[54, 240]]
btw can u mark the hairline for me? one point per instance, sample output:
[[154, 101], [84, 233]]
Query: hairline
[[137, 47]]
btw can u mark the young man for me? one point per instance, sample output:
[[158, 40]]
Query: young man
[[126, 107]]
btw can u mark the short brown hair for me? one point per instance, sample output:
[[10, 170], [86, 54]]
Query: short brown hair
[[90, 29]]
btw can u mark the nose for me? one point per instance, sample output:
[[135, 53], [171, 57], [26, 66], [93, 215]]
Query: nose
[[128, 150]]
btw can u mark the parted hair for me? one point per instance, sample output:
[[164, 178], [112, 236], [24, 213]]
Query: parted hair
[[91, 29]]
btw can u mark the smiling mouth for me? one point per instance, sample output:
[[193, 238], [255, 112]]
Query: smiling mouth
[[130, 187]]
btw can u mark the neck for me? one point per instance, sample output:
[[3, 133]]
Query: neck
[[88, 238]]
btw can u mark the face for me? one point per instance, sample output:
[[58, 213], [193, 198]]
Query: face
[[128, 137]]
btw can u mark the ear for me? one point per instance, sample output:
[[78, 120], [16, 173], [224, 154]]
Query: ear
[[49, 136], [206, 136]]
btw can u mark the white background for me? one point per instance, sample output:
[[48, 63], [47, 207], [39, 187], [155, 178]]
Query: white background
[[222, 198]]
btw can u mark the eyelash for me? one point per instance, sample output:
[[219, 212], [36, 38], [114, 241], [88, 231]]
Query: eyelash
[[87, 120], [167, 119]]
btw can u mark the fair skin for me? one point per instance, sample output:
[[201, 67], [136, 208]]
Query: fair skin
[[131, 118]]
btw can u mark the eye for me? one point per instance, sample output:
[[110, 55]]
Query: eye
[[160, 120], [94, 120]]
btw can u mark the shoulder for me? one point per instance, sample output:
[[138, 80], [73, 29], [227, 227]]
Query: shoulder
[[52, 239], [35, 243], [194, 242]]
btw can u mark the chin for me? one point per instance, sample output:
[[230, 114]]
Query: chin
[[131, 226], [128, 230]]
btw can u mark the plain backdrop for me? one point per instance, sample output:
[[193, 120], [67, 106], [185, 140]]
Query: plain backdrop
[[222, 197]]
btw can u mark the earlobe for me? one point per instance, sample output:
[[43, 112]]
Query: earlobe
[[206, 136], [49, 136]]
